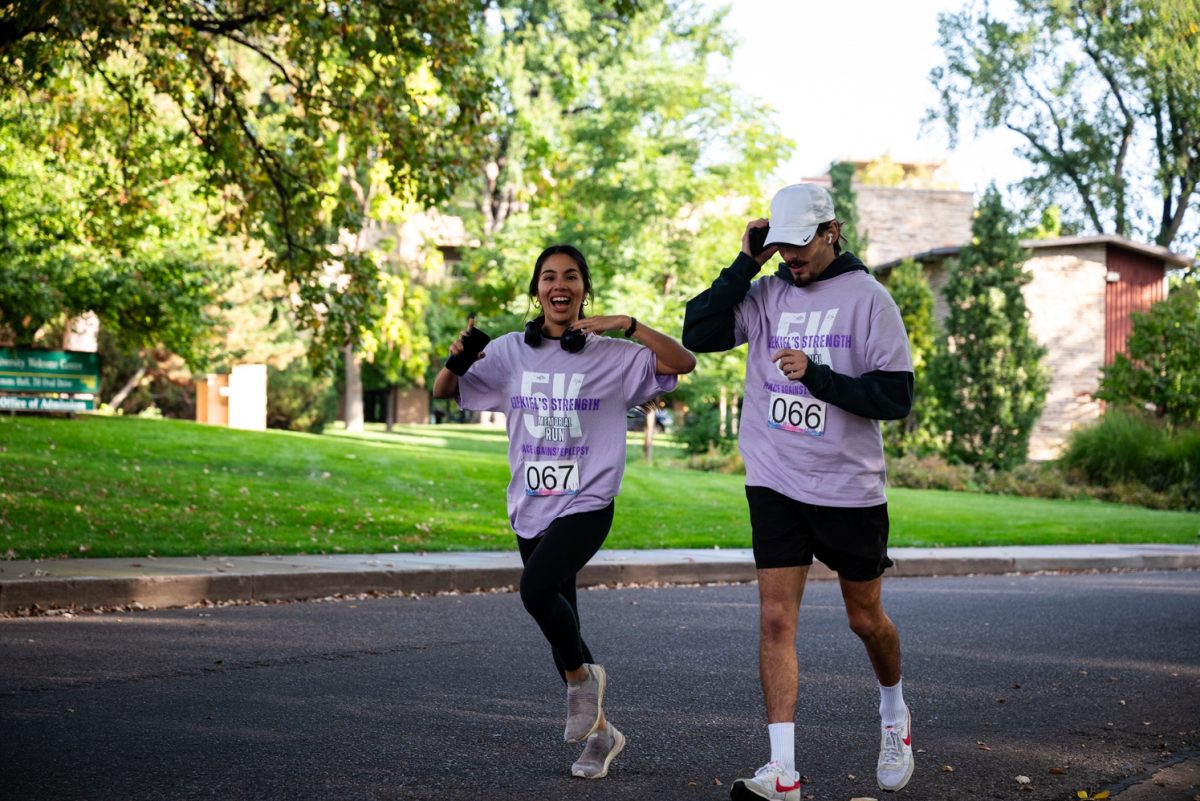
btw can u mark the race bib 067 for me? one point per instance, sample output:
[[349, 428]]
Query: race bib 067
[[551, 478], [793, 413]]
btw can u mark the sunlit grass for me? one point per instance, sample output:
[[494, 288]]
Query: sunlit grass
[[130, 487]]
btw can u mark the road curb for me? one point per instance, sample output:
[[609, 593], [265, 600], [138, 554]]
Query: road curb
[[163, 583]]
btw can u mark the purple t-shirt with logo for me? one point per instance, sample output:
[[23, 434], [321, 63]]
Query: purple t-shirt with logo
[[792, 442], [565, 414]]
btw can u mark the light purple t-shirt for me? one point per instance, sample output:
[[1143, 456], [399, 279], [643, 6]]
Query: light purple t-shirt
[[566, 419], [791, 442]]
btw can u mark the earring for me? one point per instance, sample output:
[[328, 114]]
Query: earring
[[829, 239]]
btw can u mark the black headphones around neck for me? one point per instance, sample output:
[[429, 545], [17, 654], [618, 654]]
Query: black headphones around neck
[[572, 341]]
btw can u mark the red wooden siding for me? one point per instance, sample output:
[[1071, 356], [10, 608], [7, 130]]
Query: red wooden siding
[[1140, 286]]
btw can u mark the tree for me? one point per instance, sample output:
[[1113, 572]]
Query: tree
[[98, 216], [1161, 368], [845, 203], [284, 103], [913, 295], [986, 373], [612, 134], [1103, 94]]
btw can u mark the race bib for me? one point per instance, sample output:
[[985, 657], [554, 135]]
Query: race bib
[[795, 413], [551, 478]]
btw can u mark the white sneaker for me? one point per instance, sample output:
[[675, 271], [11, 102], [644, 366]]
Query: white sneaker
[[895, 766], [770, 781], [585, 702], [601, 749]]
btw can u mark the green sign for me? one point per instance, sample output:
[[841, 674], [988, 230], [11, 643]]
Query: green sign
[[27, 403], [61, 371]]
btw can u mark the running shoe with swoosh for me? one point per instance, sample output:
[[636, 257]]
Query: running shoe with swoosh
[[895, 766], [771, 781]]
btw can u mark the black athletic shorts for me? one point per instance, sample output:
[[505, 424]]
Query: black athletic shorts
[[789, 533]]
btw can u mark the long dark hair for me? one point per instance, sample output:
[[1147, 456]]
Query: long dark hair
[[571, 252]]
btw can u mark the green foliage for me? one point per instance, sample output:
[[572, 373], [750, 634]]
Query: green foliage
[[1129, 447], [910, 289], [845, 204], [1089, 86], [986, 373], [289, 109], [700, 393], [930, 471], [298, 399], [611, 134], [1161, 367], [97, 215]]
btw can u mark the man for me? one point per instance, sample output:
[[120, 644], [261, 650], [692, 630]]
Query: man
[[828, 358]]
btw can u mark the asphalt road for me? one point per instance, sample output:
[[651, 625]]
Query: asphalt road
[[1080, 682]]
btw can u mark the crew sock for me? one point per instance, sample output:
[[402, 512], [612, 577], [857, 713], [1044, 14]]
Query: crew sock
[[891, 704], [783, 744]]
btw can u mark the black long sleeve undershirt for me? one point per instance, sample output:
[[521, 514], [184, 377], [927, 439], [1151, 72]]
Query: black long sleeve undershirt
[[709, 324]]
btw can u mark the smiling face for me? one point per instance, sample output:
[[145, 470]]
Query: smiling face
[[561, 288]]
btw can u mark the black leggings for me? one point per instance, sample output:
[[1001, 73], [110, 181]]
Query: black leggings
[[552, 559]]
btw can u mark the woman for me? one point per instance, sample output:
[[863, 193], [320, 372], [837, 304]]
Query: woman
[[565, 391]]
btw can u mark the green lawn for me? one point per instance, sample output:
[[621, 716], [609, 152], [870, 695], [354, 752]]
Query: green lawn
[[131, 487]]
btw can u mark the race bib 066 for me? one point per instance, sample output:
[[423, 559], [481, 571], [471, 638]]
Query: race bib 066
[[793, 413], [551, 478]]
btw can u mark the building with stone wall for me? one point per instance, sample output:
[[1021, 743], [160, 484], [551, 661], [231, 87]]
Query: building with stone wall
[[1080, 298], [898, 222]]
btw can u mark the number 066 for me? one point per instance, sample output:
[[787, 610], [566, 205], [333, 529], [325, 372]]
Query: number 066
[[794, 413]]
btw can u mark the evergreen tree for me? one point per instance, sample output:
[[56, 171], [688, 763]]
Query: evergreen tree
[[986, 374], [910, 289], [845, 204]]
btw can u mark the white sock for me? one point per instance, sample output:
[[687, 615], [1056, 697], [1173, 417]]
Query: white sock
[[783, 744], [892, 710]]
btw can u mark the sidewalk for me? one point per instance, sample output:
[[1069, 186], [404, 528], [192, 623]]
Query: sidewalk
[[178, 581]]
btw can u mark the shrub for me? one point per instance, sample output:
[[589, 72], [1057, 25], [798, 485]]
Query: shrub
[[1127, 447], [930, 472], [1034, 480], [717, 460], [701, 432], [1162, 367], [297, 400]]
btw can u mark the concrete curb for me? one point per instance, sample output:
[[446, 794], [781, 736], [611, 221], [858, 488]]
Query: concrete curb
[[174, 582]]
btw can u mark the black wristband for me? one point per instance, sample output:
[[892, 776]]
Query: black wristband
[[632, 327]]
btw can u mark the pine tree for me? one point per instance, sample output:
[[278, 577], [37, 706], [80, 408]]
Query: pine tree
[[987, 373], [910, 289]]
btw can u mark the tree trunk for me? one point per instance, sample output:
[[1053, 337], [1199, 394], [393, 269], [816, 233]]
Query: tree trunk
[[734, 414], [393, 395], [353, 405], [648, 434], [722, 412], [130, 386]]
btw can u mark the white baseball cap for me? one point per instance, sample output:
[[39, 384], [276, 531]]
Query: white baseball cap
[[796, 211]]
